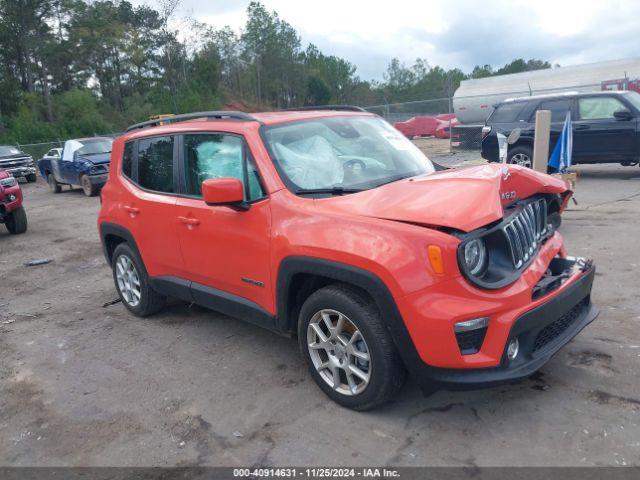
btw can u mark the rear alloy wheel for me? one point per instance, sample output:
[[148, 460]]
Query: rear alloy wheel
[[53, 184], [522, 156], [89, 189], [128, 281], [16, 221], [132, 283], [348, 349]]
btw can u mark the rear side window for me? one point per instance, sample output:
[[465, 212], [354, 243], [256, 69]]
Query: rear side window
[[507, 112], [127, 160], [155, 164], [598, 108], [558, 108], [217, 155]]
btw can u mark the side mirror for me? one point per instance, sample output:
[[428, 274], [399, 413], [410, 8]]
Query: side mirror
[[622, 115], [224, 191], [514, 136]]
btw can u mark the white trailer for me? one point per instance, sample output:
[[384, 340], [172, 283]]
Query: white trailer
[[473, 101]]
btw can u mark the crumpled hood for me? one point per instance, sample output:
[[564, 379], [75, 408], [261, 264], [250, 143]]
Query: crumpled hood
[[464, 198], [97, 159]]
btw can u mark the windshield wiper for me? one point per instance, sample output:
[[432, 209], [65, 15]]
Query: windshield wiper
[[329, 190], [394, 179]]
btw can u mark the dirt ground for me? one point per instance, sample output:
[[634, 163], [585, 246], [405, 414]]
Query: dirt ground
[[86, 384]]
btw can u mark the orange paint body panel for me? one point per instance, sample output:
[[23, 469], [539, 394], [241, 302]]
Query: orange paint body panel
[[386, 231]]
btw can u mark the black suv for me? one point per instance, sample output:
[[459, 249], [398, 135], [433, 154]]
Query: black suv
[[605, 126]]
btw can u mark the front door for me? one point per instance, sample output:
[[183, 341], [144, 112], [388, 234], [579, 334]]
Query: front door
[[558, 108], [224, 249], [64, 170], [598, 136]]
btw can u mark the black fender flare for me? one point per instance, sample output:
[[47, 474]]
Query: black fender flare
[[107, 229], [350, 275]]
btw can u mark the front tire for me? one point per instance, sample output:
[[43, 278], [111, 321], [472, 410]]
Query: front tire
[[521, 155], [54, 186], [89, 189], [132, 283], [31, 178], [348, 349], [16, 221]]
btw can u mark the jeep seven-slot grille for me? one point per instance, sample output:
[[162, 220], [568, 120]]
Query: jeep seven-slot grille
[[526, 230]]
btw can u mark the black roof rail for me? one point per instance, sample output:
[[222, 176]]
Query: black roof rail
[[346, 108], [218, 115]]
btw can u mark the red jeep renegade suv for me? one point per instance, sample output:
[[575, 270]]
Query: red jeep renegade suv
[[329, 225]]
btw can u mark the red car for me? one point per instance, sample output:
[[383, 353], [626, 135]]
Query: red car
[[330, 226], [444, 128], [417, 126], [12, 212]]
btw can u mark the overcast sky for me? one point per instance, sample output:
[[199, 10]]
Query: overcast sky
[[448, 33]]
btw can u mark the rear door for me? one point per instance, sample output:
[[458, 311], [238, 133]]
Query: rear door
[[599, 137], [148, 203], [224, 249]]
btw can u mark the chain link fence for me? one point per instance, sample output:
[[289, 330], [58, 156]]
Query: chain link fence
[[38, 150], [460, 136], [400, 112]]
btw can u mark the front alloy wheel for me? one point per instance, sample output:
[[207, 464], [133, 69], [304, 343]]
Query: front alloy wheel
[[521, 159], [128, 281], [521, 155], [348, 349], [339, 352]]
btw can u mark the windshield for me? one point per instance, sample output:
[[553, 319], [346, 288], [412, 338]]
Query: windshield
[[343, 153], [634, 98], [8, 150], [93, 147]]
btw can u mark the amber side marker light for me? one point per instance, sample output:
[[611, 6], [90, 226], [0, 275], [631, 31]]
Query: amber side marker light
[[435, 258]]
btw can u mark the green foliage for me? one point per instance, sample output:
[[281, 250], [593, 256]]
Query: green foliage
[[78, 67], [318, 92]]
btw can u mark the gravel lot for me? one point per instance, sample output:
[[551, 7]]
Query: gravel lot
[[87, 384]]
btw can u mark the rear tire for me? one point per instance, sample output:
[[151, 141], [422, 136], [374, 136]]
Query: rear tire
[[89, 189], [132, 283], [53, 183], [31, 178], [522, 155], [16, 221], [362, 345]]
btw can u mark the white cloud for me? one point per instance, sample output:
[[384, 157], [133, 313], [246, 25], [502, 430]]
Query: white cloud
[[454, 33]]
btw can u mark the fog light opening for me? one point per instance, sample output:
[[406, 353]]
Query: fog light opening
[[12, 198], [513, 349]]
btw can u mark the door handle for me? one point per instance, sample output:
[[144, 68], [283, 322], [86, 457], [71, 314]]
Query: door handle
[[582, 127], [133, 211], [189, 221]]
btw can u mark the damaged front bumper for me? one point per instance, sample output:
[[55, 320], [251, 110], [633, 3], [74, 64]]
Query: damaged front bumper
[[541, 332]]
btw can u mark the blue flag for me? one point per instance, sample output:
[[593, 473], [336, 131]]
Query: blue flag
[[560, 159]]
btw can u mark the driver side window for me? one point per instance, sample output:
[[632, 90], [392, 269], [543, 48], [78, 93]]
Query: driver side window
[[599, 108], [217, 155]]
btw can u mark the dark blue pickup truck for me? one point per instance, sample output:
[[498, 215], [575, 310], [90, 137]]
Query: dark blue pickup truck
[[84, 162]]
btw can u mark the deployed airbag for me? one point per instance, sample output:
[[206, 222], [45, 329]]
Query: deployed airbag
[[310, 163]]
